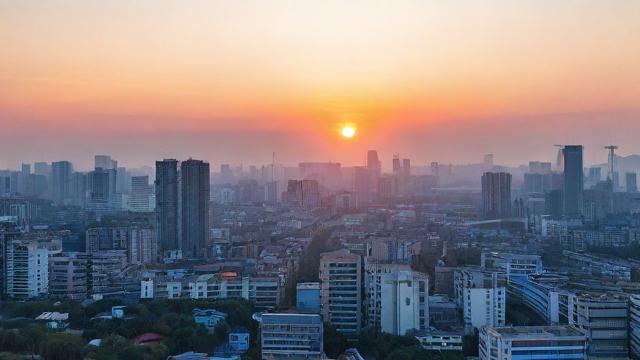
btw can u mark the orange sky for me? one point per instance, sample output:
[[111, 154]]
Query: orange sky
[[262, 76]]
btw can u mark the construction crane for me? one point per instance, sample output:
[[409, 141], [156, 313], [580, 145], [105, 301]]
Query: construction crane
[[612, 157]]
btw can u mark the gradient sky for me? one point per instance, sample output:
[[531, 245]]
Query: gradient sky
[[236, 80]]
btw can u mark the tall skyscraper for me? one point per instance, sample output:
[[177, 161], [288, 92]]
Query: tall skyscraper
[[375, 169], [373, 163], [363, 186], [99, 185], [496, 195], [61, 181], [406, 168], [573, 180], [79, 189], [397, 168], [167, 204], [194, 215], [631, 181]]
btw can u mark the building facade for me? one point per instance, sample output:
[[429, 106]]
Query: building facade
[[291, 336], [341, 291], [531, 342], [397, 298], [496, 195]]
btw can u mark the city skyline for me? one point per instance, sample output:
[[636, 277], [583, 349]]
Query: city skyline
[[235, 82]]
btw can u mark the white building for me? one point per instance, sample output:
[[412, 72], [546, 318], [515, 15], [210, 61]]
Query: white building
[[397, 298], [264, 292], [26, 269], [481, 296], [531, 342]]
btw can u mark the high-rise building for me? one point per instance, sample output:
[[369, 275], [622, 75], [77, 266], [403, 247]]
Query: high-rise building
[[532, 342], [373, 163], [363, 186], [291, 336], [167, 204], [61, 181], [123, 181], [406, 168], [374, 167], [341, 291], [142, 197], [573, 180], [25, 171], [26, 269], [396, 167], [482, 296], [388, 187], [304, 193], [194, 207], [632, 182], [99, 185], [271, 194], [79, 189], [496, 195], [42, 168], [105, 162], [397, 298], [595, 175]]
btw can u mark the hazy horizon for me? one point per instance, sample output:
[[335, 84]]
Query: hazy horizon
[[233, 82]]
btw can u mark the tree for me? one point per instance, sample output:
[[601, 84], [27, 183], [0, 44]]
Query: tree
[[62, 347], [334, 342], [415, 352]]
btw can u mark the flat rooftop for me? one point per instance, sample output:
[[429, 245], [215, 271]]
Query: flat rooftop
[[539, 332]]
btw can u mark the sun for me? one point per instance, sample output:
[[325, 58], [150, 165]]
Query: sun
[[348, 131]]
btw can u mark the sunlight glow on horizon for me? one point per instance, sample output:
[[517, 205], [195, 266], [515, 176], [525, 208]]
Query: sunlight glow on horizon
[[155, 67]]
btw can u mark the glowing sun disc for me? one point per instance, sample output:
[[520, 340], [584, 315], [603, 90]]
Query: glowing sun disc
[[348, 131]]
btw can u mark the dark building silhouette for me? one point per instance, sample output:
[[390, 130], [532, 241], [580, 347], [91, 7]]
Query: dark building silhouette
[[167, 204], [496, 195], [631, 181], [194, 214], [573, 180], [61, 181]]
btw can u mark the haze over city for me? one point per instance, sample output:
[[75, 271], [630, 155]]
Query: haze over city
[[234, 82], [319, 179]]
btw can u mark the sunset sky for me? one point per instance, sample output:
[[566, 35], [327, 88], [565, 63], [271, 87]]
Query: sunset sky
[[235, 80]]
